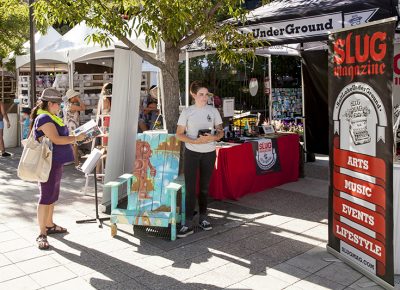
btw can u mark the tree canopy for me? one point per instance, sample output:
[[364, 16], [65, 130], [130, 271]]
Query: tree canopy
[[176, 23], [14, 26]]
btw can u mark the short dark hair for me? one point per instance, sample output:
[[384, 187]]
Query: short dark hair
[[195, 86], [26, 110]]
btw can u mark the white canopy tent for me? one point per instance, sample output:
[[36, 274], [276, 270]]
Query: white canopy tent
[[41, 41], [74, 47]]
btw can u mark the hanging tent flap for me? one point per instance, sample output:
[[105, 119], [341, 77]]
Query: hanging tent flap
[[315, 75], [291, 21]]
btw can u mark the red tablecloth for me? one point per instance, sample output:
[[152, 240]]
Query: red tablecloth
[[235, 169]]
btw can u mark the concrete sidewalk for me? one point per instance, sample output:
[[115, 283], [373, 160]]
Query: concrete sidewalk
[[281, 247]]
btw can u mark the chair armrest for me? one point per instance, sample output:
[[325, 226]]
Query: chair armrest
[[121, 180], [125, 178], [174, 186]]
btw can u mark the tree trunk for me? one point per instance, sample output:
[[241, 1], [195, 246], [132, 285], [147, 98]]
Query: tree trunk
[[171, 87]]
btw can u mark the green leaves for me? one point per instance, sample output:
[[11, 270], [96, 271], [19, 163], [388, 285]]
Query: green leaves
[[177, 23], [14, 26], [174, 22]]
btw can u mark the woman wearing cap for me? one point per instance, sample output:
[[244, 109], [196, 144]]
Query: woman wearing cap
[[73, 105], [45, 122]]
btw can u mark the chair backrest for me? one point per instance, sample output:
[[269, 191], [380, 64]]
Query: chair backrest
[[156, 165]]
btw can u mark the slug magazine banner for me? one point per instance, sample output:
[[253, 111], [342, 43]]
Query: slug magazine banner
[[361, 147], [396, 87], [266, 155]]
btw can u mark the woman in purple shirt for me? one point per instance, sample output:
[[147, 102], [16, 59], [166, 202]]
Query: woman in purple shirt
[[46, 123]]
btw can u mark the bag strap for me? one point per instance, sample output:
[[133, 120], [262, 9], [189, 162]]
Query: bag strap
[[34, 129], [31, 133]]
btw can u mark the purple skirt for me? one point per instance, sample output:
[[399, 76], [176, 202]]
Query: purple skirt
[[50, 190]]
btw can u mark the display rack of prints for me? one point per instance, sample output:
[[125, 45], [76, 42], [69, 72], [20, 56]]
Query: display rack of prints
[[89, 86], [43, 80], [286, 103], [7, 86]]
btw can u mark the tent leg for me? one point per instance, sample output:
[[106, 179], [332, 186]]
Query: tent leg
[[270, 86], [304, 115], [71, 68]]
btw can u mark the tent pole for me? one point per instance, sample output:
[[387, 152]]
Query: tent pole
[[71, 66], [2, 83], [265, 95], [18, 96], [187, 79], [304, 115], [270, 87], [32, 54]]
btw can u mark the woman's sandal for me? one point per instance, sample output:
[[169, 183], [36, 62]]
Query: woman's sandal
[[42, 242], [55, 229]]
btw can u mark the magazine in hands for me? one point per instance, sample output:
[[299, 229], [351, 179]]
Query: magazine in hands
[[91, 130]]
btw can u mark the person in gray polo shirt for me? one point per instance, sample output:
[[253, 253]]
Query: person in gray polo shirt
[[199, 126]]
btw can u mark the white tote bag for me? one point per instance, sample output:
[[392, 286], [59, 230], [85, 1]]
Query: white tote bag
[[36, 158]]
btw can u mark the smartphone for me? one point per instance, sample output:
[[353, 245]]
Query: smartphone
[[203, 132]]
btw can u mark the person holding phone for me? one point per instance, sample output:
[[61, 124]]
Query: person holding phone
[[199, 126]]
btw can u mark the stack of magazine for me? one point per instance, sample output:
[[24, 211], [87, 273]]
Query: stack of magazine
[[91, 130]]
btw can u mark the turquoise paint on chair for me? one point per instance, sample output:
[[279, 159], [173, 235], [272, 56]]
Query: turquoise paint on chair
[[156, 195]]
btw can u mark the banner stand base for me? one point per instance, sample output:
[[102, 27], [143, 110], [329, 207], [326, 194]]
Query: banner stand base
[[374, 278]]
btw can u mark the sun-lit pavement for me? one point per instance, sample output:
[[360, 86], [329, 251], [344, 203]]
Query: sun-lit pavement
[[276, 240]]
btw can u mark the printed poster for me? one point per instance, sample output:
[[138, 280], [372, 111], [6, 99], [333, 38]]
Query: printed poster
[[361, 147], [266, 155]]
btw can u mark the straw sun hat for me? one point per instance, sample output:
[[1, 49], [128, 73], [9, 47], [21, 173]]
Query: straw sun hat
[[51, 95], [71, 93]]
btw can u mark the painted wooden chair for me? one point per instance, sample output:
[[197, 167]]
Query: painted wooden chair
[[156, 197]]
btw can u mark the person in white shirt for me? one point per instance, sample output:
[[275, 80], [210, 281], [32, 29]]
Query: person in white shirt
[[199, 153]]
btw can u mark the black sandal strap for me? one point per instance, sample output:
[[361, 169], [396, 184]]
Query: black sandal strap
[[41, 237]]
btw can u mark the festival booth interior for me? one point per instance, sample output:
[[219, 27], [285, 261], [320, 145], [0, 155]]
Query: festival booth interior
[[12, 137], [53, 62], [307, 22], [74, 47]]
